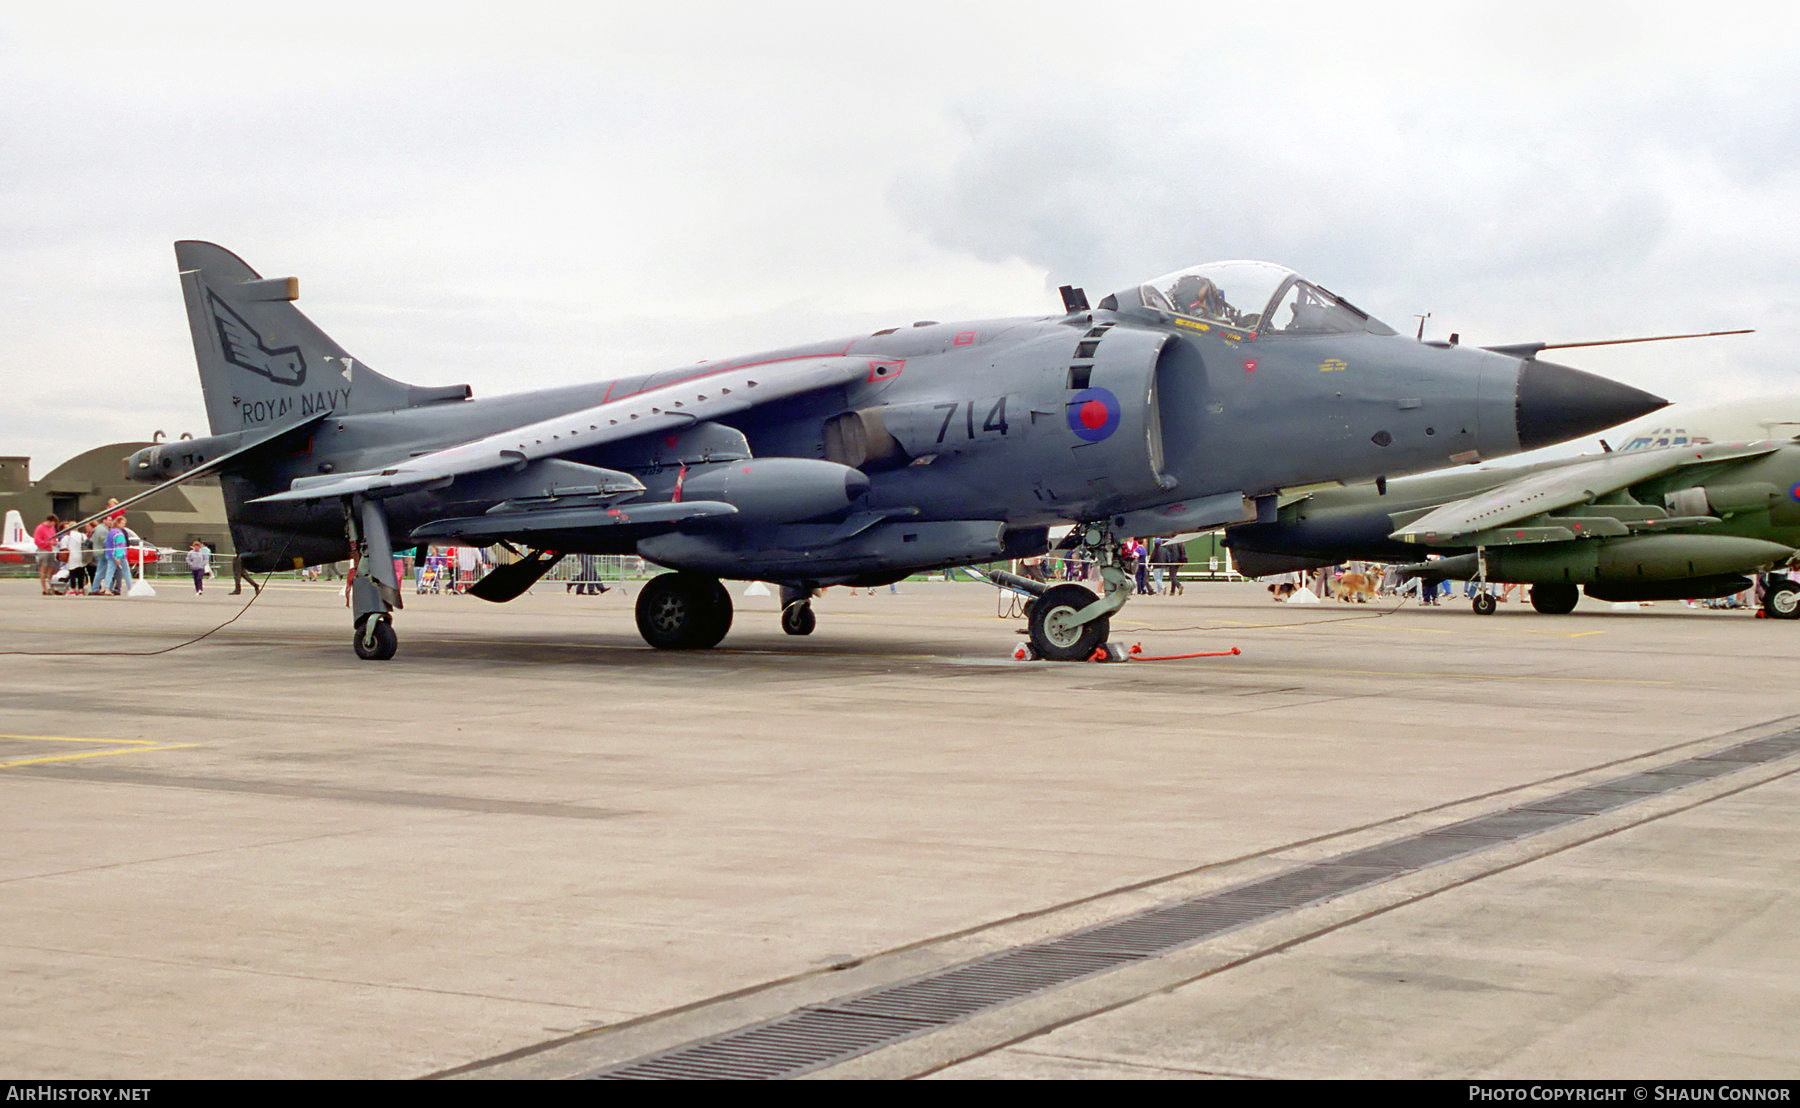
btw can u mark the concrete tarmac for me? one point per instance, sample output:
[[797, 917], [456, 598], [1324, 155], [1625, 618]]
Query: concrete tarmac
[[530, 846]]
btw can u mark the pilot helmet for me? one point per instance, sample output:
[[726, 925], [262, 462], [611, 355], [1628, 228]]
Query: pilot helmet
[[1196, 295]]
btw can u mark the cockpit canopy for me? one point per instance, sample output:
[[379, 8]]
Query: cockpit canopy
[[1255, 296]]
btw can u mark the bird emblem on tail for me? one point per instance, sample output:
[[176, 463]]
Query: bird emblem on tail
[[244, 348]]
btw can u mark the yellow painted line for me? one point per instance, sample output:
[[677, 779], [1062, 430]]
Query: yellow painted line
[[67, 739], [92, 754], [118, 746]]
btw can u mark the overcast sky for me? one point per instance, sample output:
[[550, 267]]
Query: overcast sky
[[530, 194]]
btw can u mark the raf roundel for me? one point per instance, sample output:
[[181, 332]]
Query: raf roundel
[[1093, 414]]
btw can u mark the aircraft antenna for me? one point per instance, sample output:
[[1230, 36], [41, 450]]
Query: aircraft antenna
[[1652, 338]]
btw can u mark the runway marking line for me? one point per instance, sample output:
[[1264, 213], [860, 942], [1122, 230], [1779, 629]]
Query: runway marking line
[[117, 746]]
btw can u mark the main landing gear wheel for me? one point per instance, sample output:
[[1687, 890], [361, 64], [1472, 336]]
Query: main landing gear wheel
[[683, 611], [1554, 600], [1782, 602], [1485, 604], [374, 639], [798, 619], [1055, 634]]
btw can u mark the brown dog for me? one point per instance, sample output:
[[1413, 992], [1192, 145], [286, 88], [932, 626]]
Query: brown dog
[[1356, 586]]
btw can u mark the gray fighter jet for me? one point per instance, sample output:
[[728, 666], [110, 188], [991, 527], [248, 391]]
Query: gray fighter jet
[[1180, 404], [1672, 523]]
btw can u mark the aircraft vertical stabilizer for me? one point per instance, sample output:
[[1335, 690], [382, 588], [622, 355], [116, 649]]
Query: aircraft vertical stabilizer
[[17, 538], [262, 362]]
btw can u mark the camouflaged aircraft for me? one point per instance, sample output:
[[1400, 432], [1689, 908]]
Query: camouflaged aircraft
[[1662, 523], [1180, 404]]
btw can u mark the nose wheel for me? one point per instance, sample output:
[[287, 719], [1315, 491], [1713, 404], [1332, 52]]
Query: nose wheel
[[1055, 632], [1782, 601]]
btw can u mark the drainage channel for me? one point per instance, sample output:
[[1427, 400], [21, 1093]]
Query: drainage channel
[[823, 1035]]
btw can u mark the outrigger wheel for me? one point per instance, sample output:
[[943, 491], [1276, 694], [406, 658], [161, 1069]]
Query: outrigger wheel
[[375, 640], [1485, 604], [798, 618], [1055, 634], [683, 611]]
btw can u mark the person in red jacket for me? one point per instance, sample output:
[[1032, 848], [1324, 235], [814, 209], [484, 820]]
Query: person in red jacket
[[45, 537]]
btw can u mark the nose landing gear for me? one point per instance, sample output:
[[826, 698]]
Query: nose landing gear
[[1054, 623], [1068, 622]]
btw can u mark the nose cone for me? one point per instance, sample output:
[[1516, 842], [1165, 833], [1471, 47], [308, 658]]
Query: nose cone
[[1556, 403], [140, 463]]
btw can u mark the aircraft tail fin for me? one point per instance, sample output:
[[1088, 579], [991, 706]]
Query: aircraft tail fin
[[262, 362], [16, 535]]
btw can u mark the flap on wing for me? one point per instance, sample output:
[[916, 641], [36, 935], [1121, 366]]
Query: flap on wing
[[1548, 490], [707, 395]]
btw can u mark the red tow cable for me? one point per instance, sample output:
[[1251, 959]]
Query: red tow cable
[[1136, 654]]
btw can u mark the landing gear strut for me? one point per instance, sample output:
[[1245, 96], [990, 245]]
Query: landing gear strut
[[683, 611], [376, 591], [1484, 600]]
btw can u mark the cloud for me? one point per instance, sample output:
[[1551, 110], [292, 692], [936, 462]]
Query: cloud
[[536, 195], [1512, 198]]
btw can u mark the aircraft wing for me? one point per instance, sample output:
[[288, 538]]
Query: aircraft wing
[[708, 394], [251, 444], [1542, 506]]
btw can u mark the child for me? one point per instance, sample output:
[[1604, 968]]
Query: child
[[197, 561]]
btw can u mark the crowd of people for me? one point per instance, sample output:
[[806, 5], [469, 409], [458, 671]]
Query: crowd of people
[[1367, 580], [1154, 566], [96, 557], [1363, 581]]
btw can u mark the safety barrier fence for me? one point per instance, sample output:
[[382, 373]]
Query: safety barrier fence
[[597, 567]]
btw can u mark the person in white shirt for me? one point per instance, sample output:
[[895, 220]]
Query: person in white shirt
[[198, 558], [76, 543]]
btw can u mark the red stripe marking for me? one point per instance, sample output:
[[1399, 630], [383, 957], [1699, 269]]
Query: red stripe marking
[[728, 369]]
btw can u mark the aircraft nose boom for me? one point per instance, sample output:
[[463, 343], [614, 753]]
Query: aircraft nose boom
[[1556, 403]]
